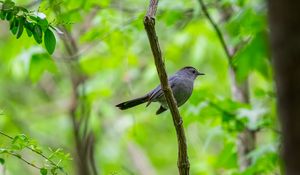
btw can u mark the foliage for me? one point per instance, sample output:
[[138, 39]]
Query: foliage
[[35, 24], [21, 142]]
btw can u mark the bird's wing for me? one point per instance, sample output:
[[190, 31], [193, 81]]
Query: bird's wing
[[157, 92]]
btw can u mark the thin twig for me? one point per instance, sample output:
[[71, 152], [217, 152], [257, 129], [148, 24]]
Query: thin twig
[[218, 31], [149, 23], [2, 133], [33, 150], [19, 157]]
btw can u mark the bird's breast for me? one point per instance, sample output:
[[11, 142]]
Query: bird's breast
[[182, 90]]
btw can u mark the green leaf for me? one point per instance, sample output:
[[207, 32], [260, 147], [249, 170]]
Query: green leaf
[[20, 141], [40, 63], [50, 41], [227, 158], [40, 21], [2, 161], [22, 9], [8, 4], [9, 15], [20, 27], [53, 170], [14, 26], [34, 18], [37, 33], [15, 10], [247, 21], [172, 16], [2, 14], [14, 30], [254, 56], [43, 23], [29, 28], [43, 171]]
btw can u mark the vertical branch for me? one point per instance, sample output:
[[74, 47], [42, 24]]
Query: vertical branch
[[246, 139], [149, 23], [79, 109], [84, 140]]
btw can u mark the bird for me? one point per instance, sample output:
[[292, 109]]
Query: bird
[[181, 83]]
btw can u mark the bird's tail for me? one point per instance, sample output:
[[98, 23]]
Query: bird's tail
[[132, 103]]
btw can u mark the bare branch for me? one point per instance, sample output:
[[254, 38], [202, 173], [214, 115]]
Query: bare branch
[[84, 144], [24, 160], [149, 23], [218, 31]]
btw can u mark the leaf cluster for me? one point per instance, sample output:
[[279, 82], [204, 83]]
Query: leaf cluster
[[35, 24], [21, 142]]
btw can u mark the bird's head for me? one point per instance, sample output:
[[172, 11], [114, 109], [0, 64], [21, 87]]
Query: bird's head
[[190, 71]]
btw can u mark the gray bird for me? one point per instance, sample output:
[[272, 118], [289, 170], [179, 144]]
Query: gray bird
[[182, 83]]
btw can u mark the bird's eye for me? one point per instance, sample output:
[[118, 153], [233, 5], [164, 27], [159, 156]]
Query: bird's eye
[[194, 71]]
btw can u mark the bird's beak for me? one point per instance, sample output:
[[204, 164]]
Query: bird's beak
[[199, 73]]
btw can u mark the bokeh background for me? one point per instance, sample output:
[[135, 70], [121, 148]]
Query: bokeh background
[[113, 62]]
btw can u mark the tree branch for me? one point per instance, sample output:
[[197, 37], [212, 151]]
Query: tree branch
[[35, 151], [246, 141], [149, 23], [218, 31], [22, 159], [78, 109]]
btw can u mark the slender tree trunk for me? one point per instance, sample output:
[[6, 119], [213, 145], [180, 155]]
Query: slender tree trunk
[[246, 139], [284, 18], [79, 114], [79, 110]]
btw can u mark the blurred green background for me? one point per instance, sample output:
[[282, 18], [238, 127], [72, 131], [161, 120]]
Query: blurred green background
[[115, 59]]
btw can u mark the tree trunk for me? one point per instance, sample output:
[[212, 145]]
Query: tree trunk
[[284, 18], [246, 139]]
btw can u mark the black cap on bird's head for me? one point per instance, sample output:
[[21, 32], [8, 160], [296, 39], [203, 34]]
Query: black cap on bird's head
[[191, 71]]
